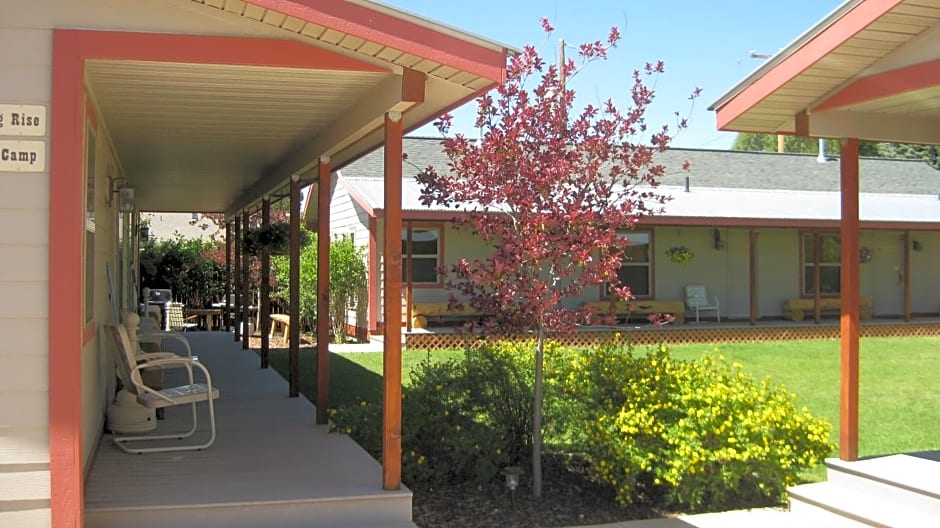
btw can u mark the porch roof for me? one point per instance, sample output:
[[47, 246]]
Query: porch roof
[[214, 123], [869, 70]]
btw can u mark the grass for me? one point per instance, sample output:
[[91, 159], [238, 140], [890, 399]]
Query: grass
[[899, 381]]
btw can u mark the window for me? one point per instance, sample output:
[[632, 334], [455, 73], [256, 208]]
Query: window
[[830, 264], [635, 264], [425, 255]]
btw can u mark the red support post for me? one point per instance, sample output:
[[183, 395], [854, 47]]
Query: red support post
[[294, 288], [265, 303], [246, 288], [848, 422], [391, 366], [323, 291]]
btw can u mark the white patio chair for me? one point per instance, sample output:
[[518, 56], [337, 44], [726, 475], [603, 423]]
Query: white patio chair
[[696, 298], [130, 365]]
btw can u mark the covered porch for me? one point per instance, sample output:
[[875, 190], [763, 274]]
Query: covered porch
[[271, 464], [225, 106]]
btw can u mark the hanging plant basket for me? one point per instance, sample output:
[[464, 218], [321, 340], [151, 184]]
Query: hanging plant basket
[[275, 237], [680, 255]]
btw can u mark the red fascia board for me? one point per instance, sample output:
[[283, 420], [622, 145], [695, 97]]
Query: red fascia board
[[382, 28], [426, 216], [886, 84], [780, 223], [860, 17], [199, 49]]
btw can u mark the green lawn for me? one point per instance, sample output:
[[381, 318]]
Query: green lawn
[[899, 389]]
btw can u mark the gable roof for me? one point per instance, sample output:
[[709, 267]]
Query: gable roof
[[729, 187]]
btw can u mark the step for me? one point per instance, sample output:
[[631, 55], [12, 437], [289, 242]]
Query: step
[[909, 481], [839, 506], [389, 511]]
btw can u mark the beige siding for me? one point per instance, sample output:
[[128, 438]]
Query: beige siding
[[346, 218], [924, 296], [25, 58]]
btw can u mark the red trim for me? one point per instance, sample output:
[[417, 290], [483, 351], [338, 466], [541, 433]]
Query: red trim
[[66, 233], [440, 255], [198, 49], [66, 209], [382, 28], [886, 84], [90, 115], [373, 276], [860, 17]]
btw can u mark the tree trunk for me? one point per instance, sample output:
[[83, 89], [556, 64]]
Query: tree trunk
[[537, 417]]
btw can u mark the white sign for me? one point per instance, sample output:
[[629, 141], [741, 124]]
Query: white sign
[[22, 156], [22, 120]]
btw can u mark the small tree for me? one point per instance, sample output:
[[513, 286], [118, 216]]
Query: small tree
[[347, 283], [552, 192]]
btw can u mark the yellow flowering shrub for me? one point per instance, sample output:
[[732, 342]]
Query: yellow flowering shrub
[[701, 435]]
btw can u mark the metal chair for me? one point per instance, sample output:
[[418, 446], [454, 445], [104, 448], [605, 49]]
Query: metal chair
[[130, 366], [696, 298]]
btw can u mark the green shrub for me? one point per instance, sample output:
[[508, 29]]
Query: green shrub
[[696, 435], [462, 420]]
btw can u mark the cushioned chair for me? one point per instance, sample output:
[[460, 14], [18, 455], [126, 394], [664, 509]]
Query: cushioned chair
[[130, 366], [696, 298]]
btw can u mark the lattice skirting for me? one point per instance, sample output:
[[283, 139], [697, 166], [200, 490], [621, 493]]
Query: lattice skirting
[[691, 334]]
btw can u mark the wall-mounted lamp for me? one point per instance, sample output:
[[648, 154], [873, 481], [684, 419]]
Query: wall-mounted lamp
[[145, 232], [126, 203], [916, 245], [719, 243]]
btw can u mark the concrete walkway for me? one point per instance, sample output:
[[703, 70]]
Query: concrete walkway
[[763, 518]]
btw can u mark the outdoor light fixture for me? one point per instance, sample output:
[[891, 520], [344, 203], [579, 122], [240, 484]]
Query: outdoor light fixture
[[512, 474], [916, 245], [127, 199], [719, 243]]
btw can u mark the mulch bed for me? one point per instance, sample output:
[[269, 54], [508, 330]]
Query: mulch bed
[[569, 498]]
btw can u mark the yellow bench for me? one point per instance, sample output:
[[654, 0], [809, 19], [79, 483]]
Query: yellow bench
[[420, 312], [280, 320], [625, 309], [796, 309]]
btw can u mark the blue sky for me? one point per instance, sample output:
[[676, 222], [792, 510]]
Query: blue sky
[[704, 44]]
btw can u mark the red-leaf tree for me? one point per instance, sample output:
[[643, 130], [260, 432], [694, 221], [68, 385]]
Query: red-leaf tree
[[555, 193]]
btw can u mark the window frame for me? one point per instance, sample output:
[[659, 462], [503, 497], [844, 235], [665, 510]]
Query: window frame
[[805, 266], [438, 257], [649, 264]]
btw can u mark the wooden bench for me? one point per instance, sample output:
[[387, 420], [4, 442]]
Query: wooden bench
[[626, 309], [796, 309], [282, 321], [421, 312]]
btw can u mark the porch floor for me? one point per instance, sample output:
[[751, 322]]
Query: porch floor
[[270, 465]]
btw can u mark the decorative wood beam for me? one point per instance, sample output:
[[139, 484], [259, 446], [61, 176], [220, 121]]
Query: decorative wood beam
[[849, 321], [391, 366], [875, 127], [886, 84], [323, 291]]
